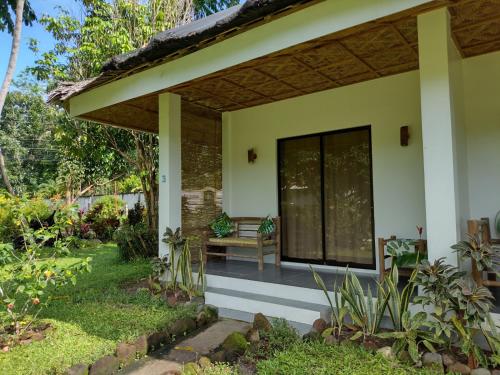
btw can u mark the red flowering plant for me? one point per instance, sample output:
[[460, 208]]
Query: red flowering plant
[[29, 271]]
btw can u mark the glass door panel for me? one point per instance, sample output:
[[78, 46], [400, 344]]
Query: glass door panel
[[348, 197], [300, 198]]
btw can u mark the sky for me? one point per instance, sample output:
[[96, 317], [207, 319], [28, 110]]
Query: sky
[[26, 57]]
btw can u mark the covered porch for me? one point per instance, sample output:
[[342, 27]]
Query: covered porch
[[322, 70]]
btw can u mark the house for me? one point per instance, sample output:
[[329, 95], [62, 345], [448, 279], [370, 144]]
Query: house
[[325, 93]]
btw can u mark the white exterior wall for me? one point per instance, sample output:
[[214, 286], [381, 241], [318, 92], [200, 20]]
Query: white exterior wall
[[386, 104], [482, 118]]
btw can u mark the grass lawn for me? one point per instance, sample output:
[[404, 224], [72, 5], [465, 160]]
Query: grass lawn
[[89, 319], [306, 358]]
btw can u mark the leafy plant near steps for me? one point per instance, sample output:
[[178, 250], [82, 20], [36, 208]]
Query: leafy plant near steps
[[364, 312], [460, 306], [179, 264], [339, 311]]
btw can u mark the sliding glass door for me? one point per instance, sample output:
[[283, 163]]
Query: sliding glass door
[[325, 192]]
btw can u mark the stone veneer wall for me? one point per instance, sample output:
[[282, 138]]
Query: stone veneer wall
[[201, 135]]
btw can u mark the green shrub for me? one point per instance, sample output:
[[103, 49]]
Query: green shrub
[[136, 241], [134, 238], [105, 216]]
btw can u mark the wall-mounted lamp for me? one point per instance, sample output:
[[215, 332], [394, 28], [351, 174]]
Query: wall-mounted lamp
[[404, 134], [252, 156]]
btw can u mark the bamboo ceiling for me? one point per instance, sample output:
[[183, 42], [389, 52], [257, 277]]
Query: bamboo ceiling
[[377, 49]]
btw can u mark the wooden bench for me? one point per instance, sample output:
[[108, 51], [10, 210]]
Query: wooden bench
[[481, 228], [246, 235], [420, 246]]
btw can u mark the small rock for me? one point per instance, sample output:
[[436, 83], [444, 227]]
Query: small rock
[[197, 301], [182, 327], [331, 340], [311, 336], [386, 352], [191, 369], [172, 300], [235, 343], [79, 369], [125, 353], [448, 360], [105, 366], [253, 336], [141, 345], [204, 362], [181, 355], [261, 323], [405, 357], [201, 319], [433, 360], [459, 368], [212, 313], [480, 371], [157, 339], [320, 325], [219, 356]]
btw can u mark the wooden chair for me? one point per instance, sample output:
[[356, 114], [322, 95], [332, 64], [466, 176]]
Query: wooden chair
[[246, 236], [420, 246], [481, 228]]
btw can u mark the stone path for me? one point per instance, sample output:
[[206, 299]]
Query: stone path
[[170, 361]]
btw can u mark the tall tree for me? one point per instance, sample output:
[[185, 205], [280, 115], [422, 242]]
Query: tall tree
[[21, 9], [108, 29]]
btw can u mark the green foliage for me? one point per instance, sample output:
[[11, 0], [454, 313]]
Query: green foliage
[[364, 312], [403, 252], [267, 226], [410, 332], [482, 253], [31, 272], [460, 306], [339, 310], [414, 332], [217, 369], [314, 357], [9, 6], [222, 226], [27, 124], [105, 216], [130, 184], [136, 241], [179, 264], [92, 317], [134, 238]]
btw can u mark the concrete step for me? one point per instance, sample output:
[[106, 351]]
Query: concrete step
[[307, 295], [290, 309]]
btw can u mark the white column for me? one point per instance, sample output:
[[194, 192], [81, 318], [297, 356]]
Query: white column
[[226, 162], [436, 51], [169, 127]]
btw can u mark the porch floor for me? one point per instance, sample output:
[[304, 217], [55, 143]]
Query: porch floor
[[286, 275], [296, 276]]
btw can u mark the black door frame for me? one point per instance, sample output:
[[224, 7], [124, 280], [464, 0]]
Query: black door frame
[[324, 261]]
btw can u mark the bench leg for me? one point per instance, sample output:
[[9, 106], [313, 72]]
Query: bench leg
[[260, 255], [277, 259]]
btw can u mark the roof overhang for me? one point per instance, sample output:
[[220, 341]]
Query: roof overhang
[[330, 44]]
